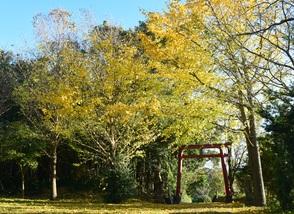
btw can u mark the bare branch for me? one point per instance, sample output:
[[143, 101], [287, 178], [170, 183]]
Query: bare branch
[[266, 28]]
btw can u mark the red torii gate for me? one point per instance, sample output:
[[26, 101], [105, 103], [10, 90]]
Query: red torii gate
[[201, 147]]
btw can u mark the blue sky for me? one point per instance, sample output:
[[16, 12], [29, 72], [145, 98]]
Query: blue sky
[[16, 16]]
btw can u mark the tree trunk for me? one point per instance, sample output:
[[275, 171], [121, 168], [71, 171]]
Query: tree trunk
[[258, 184], [231, 173], [158, 184], [54, 172], [253, 152], [22, 181]]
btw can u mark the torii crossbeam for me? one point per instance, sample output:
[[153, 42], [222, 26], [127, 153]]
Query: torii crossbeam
[[202, 147]]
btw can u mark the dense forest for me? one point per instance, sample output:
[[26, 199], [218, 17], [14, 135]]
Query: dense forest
[[101, 112]]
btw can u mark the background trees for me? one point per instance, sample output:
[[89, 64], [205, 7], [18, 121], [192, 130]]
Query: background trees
[[7, 78], [113, 105], [22, 146], [277, 147]]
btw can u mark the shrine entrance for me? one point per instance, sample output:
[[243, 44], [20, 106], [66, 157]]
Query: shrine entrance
[[222, 153]]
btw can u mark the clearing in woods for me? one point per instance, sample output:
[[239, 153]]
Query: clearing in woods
[[8, 205]]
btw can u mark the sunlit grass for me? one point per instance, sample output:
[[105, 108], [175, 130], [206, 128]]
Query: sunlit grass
[[86, 206]]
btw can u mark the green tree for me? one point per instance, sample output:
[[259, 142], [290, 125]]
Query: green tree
[[51, 96], [278, 150], [7, 80], [21, 145]]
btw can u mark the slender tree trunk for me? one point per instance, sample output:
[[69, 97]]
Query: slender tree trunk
[[54, 172], [253, 151], [22, 181], [140, 175], [231, 173], [158, 184]]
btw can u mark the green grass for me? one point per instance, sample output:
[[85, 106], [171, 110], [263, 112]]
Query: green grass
[[87, 206]]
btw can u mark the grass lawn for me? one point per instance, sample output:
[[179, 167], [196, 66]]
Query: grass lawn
[[86, 206]]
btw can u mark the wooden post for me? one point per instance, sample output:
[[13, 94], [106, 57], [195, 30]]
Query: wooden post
[[226, 178]]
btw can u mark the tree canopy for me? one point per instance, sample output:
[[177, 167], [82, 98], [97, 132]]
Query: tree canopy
[[107, 109]]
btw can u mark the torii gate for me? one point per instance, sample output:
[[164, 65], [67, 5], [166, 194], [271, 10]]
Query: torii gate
[[201, 147]]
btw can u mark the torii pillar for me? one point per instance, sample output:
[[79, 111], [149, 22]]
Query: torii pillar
[[220, 155]]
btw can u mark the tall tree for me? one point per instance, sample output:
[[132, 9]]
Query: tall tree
[[123, 111], [50, 97], [200, 44]]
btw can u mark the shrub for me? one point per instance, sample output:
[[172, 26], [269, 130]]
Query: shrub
[[121, 185]]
